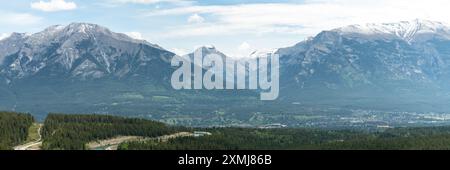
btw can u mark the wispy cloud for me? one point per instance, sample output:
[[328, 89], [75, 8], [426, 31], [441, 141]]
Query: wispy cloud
[[53, 5], [195, 18], [176, 2], [19, 19], [244, 46], [306, 18], [135, 35]]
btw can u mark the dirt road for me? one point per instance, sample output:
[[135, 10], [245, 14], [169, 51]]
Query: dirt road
[[35, 145], [113, 143]]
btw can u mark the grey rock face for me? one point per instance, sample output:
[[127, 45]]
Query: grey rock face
[[415, 52], [79, 50]]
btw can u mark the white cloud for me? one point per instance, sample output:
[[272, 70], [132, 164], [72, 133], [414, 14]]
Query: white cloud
[[20, 19], [135, 35], [53, 5], [4, 35], [179, 51], [306, 18], [195, 18], [177, 2], [244, 46], [243, 50]]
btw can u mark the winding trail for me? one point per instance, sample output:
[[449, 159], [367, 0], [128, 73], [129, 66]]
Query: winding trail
[[35, 145]]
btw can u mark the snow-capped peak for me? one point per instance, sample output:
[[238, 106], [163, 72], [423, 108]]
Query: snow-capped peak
[[65, 47], [83, 28], [406, 30]]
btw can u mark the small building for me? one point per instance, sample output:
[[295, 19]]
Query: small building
[[201, 134], [273, 126]]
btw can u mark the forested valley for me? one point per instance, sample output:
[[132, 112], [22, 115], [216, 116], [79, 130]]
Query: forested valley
[[74, 132], [428, 138]]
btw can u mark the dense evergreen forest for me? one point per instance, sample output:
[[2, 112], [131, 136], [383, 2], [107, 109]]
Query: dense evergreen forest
[[13, 129], [72, 132], [305, 139]]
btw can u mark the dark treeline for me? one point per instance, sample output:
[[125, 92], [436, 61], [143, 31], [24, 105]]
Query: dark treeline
[[247, 139], [426, 138], [13, 129], [72, 132], [305, 139]]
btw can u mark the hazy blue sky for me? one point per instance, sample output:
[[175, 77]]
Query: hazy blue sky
[[235, 27]]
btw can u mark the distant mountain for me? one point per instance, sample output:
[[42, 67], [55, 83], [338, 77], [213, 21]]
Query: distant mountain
[[211, 50], [399, 60], [409, 31], [86, 68], [205, 51], [81, 68], [79, 51]]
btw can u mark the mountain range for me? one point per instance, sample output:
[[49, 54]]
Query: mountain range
[[84, 67], [408, 61], [81, 51]]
